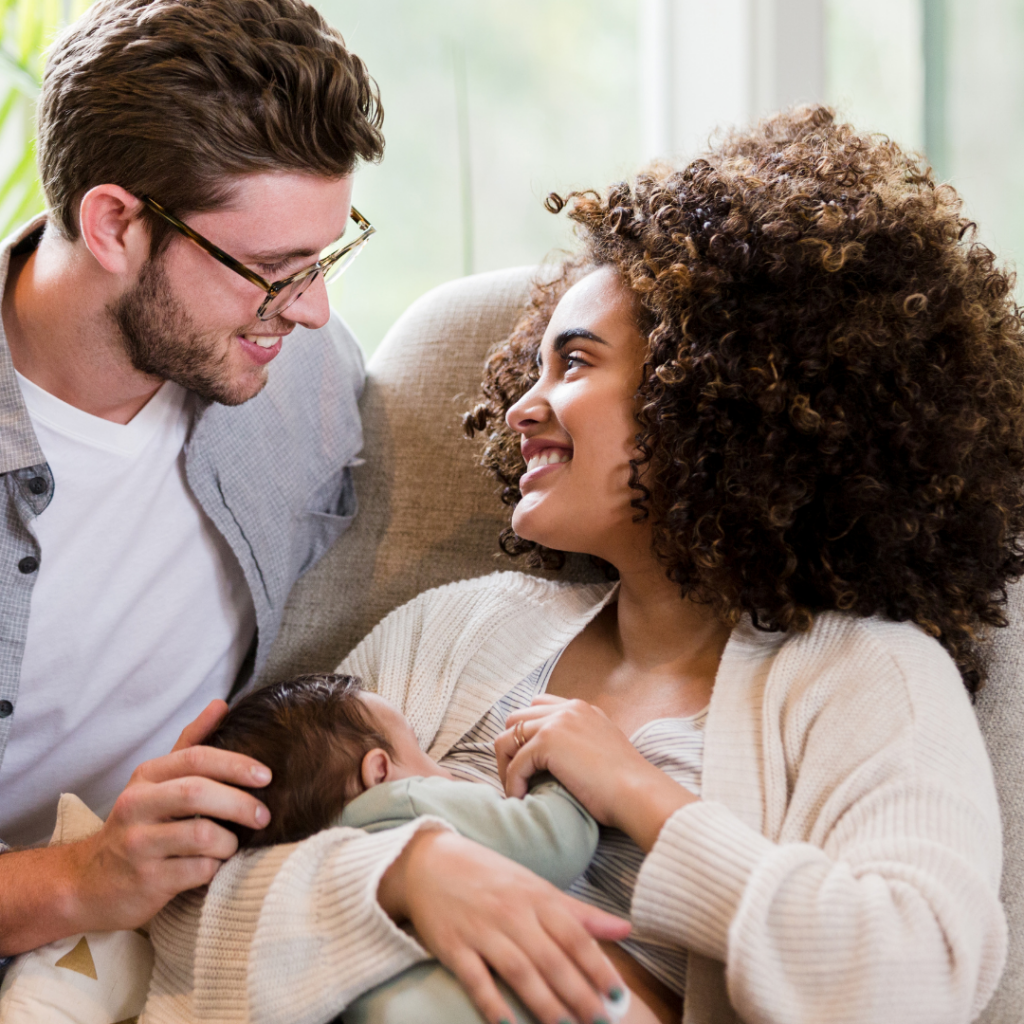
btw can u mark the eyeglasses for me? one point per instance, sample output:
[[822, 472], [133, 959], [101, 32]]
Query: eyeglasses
[[280, 294]]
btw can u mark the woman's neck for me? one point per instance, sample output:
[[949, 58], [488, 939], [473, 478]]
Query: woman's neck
[[657, 630]]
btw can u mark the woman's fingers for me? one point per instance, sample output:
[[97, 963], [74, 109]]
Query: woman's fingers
[[557, 982], [476, 979], [584, 951], [599, 923], [468, 902], [529, 759], [524, 976], [508, 744]]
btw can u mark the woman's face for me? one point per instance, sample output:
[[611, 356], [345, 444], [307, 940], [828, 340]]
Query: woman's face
[[578, 426]]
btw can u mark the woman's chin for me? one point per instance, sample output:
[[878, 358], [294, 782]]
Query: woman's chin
[[534, 526]]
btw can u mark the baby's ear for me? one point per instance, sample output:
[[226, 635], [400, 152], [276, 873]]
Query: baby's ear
[[375, 768]]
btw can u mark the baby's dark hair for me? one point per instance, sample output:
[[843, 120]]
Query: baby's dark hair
[[312, 732]]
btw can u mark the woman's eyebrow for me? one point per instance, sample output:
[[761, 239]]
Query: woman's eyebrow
[[562, 341]]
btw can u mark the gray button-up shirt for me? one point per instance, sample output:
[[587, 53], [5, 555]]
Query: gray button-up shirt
[[271, 474]]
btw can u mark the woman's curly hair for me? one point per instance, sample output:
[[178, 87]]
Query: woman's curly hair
[[832, 404]]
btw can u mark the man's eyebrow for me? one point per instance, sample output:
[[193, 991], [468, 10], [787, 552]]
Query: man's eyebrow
[[280, 256]]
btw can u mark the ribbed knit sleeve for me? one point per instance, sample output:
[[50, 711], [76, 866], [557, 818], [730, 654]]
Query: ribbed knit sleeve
[[874, 896], [289, 935]]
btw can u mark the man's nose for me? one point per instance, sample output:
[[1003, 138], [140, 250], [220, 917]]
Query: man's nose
[[312, 308]]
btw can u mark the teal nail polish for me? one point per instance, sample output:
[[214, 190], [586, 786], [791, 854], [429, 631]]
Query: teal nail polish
[[504, 1020], [600, 1020], [616, 994]]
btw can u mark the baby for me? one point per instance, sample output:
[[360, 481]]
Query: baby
[[341, 755]]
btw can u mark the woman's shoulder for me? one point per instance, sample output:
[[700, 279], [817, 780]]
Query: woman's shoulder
[[879, 648], [511, 604], [849, 673], [509, 588]]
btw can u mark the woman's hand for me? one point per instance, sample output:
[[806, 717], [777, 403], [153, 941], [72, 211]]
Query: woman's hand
[[474, 909], [593, 758]]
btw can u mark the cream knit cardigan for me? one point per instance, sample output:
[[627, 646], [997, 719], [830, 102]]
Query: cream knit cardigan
[[842, 867]]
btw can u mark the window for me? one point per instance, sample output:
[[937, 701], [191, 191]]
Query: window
[[489, 106]]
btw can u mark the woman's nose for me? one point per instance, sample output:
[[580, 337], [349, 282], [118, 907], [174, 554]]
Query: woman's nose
[[530, 409]]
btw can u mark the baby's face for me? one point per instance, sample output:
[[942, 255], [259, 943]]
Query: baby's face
[[409, 761]]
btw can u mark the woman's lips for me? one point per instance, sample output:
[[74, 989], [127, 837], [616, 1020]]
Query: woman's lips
[[542, 464], [261, 354]]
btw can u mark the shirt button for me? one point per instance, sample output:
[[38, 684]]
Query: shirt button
[[6, 708], [28, 564], [37, 485]]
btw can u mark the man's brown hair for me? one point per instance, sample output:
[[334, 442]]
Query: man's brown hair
[[312, 732], [174, 98]]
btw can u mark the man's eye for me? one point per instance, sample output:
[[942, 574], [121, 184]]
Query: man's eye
[[271, 269]]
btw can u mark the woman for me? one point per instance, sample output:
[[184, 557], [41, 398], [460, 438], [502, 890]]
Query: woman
[[780, 395]]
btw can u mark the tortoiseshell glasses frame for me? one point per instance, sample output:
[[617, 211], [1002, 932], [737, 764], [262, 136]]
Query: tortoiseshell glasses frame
[[280, 294]]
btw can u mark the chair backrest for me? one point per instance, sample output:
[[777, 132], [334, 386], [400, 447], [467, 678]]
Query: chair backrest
[[1001, 714], [428, 515]]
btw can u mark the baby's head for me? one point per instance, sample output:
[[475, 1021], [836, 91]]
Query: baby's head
[[326, 741]]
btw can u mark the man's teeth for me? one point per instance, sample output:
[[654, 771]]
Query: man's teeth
[[263, 340], [548, 458]]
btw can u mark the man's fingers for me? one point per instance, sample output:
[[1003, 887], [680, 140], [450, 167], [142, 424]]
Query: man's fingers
[[190, 796], [208, 720], [223, 765], [184, 873], [190, 838]]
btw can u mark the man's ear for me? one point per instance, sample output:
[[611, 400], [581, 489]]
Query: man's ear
[[375, 768], [113, 230]]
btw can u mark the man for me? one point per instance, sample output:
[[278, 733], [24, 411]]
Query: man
[[177, 409]]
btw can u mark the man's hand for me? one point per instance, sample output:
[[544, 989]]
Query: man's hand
[[158, 841]]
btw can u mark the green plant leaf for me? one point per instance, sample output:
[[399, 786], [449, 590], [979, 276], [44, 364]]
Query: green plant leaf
[[17, 76]]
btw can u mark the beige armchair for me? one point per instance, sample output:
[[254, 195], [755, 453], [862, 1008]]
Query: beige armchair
[[428, 516]]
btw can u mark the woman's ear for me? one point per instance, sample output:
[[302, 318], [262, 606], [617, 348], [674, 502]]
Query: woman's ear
[[375, 768]]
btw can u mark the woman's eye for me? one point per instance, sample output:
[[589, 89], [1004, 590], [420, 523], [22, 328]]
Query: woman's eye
[[573, 359]]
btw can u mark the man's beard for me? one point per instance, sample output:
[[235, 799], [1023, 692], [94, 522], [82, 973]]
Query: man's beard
[[162, 340]]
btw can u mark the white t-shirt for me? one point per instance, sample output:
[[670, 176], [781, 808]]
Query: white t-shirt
[[140, 615]]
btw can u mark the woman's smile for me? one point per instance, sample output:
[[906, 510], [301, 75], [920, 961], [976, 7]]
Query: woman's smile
[[542, 457]]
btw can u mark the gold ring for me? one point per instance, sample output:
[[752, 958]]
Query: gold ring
[[519, 734]]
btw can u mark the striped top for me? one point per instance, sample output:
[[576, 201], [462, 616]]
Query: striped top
[[675, 745]]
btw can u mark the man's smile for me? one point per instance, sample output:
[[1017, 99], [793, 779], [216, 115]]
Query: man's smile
[[261, 348]]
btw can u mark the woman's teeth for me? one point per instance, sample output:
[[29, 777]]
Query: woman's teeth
[[263, 340], [548, 458]]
